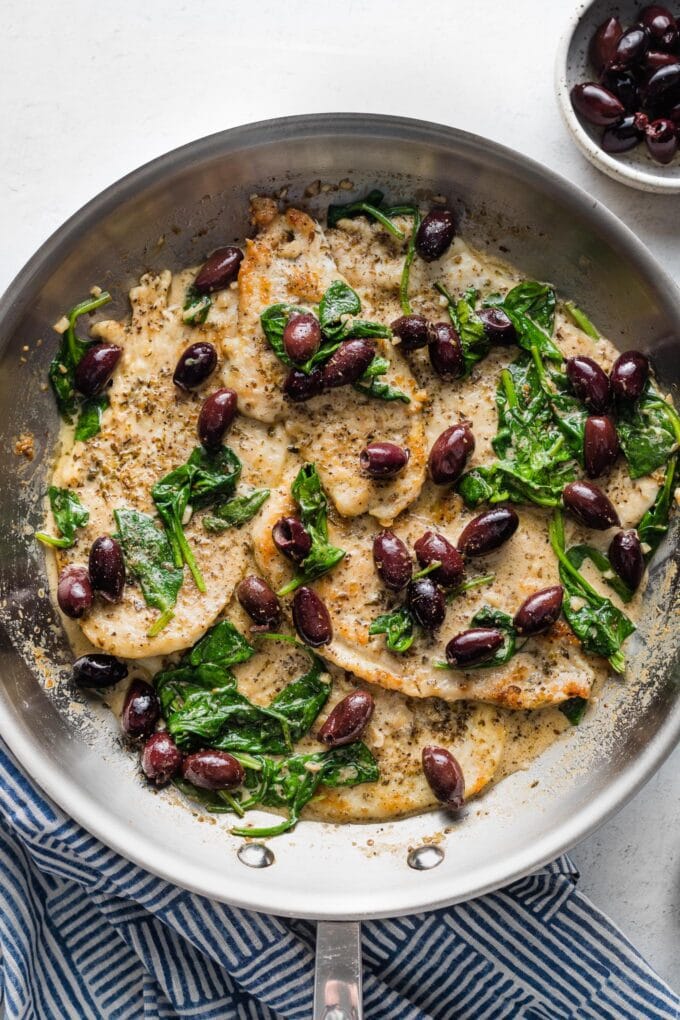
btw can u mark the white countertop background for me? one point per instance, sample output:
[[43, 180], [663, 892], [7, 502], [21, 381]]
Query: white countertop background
[[90, 92]]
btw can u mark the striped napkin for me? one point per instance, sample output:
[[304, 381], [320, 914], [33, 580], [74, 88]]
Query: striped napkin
[[86, 934]]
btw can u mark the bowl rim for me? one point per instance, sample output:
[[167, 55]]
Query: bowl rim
[[617, 170], [273, 898]]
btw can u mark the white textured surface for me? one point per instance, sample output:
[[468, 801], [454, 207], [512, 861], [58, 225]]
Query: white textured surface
[[88, 95]]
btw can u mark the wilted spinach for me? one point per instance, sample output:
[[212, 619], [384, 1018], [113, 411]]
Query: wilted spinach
[[654, 523], [72, 405], [535, 462], [69, 514], [205, 478], [398, 626], [373, 386], [598, 624], [196, 306], [202, 704], [148, 557], [574, 709], [310, 497], [288, 783], [582, 321], [649, 432], [236, 511], [337, 305], [578, 553]]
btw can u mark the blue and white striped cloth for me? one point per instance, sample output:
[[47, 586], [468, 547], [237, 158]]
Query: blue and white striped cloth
[[86, 934]]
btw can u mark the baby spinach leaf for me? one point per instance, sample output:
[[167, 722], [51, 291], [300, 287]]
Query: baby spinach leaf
[[205, 478], [534, 460], [338, 301], [598, 624], [370, 206], [574, 709], [223, 646], [488, 616], [62, 369], [292, 783], [398, 626], [236, 512], [206, 666], [90, 417], [310, 497], [148, 557], [578, 553], [371, 384], [69, 515], [582, 320], [535, 300], [414, 212], [470, 328], [649, 432], [196, 306], [654, 523], [274, 321]]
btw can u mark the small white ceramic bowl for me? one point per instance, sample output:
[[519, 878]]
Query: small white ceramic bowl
[[635, 168]]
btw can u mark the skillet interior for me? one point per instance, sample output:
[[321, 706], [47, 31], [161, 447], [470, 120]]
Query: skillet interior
[[171, 213]]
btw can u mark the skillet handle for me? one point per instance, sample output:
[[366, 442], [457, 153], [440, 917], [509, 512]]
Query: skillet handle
[[337, 980]]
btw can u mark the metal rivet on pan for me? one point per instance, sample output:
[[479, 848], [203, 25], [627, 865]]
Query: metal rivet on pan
[[425, 857], [255, 855]]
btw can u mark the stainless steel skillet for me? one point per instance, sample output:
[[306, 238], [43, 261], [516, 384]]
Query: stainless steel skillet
[[170, 213]]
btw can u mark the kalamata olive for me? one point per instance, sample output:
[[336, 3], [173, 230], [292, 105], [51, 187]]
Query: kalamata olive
[[383, 460], [446, 352], [669, 40], [600, 445], [259, 601], [497, 326], [589, 382], [624, 136], [195, 364], [414, 331], [348, 720], [95, 368], [392, 560], [141, 710], [298, 386], [590, 505], [349, 363], [472, 646], [631, 47], [74, 591], [603, 43], [292, 539], [435, 234], [107, 568], [311, 618], [445, 776], [427, 602], [661, 82], [674, 115], [654, 59], [539, 611], [302, 337], [98, 670], [450, 452], [624, 86], [161, 758], [657, 20], [213, 770], [661, 139], [629, 375], [625, 556], [434, 548], [216, 415], [219, 270], [488, 531], [596, 104]]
